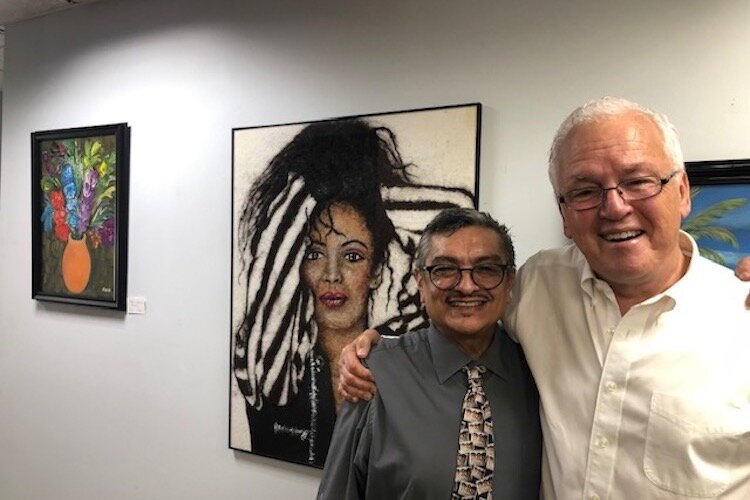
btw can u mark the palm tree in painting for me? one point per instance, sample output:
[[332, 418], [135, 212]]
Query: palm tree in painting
[[703, 225]]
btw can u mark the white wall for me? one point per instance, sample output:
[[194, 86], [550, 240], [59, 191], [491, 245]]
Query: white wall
[[95, 404]]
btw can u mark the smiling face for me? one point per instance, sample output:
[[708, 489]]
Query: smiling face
[[467, 312], [631, 245], [338, 268]]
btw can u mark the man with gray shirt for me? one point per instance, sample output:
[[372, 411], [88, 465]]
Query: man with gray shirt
[[456, 412]]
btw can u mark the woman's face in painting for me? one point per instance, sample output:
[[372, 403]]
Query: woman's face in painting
[[338, 268]]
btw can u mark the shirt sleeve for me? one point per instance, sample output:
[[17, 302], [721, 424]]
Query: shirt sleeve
[[345, 470]]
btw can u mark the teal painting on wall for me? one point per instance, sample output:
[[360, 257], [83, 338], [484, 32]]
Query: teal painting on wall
[[720, 216]]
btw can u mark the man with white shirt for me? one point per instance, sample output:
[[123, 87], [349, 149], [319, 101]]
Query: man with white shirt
[[637, 344]]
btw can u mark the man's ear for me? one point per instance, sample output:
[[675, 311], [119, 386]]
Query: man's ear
[[685, 200], [564, 222], [419, 278]]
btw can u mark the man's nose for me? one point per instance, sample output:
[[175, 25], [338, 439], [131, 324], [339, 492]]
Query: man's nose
[[613, 204], [466, 281]]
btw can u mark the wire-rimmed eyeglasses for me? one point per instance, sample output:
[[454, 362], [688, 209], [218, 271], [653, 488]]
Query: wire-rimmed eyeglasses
[[637, 188], [448, 276]]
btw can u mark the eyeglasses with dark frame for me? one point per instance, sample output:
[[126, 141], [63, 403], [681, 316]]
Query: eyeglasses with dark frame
[[447, 276], [637, 188]]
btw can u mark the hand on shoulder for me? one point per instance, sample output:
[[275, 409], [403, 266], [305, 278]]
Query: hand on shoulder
[[742, 271], [355, 380]]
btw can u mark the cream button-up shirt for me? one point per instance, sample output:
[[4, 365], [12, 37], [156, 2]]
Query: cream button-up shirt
[[654, 404]]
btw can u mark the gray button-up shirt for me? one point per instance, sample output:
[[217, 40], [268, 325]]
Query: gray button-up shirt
[[403, 443]]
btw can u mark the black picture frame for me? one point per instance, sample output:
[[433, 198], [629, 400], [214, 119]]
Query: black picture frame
[[711, 172], [79, 215], [439, 147], [720, 216]]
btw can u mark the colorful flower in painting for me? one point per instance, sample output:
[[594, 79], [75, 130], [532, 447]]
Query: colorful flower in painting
[[88, 193], [54, 215], [49, 167], [62, 231], [67, 178], [47, 218], [56, 199], [95, 240], [107, 232], [79, 186], [61, 227]]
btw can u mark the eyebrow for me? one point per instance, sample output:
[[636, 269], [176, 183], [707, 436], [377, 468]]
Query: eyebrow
[[635, 168], [314, 241], [349, 242], [481, 259]]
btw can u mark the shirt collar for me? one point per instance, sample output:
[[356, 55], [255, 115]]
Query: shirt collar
[[584, 269], [448, 358], [588, 278], [682, 289]]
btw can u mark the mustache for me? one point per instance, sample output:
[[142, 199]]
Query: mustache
[[479, 294]]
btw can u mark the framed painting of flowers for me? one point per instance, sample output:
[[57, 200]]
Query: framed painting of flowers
[[79, 219]]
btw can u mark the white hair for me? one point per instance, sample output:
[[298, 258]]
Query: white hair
[[611, 106]]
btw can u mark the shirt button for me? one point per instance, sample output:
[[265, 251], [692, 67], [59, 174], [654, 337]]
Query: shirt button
[[611, 387], [593, 496], [611, 331], [602, 442]]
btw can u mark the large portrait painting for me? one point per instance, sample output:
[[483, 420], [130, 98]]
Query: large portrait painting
[[326, 217], [720, 216]]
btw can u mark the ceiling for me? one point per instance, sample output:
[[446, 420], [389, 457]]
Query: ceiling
[[12, 11]]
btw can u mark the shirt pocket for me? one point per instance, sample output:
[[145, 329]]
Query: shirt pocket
[[694, 449]]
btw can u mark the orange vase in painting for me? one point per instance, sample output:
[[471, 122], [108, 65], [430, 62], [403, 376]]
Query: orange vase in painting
[[76, 265]]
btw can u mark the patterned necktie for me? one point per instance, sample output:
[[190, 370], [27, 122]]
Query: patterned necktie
[[476, 447]]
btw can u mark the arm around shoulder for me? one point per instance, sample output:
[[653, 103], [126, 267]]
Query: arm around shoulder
[[345, 470]]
